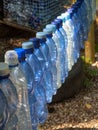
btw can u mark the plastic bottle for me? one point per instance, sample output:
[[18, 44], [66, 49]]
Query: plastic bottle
[[41, 107], [78, 28], [17, 77], [78, 16], [35, 65], [39, 55], [83, 11], [76, 35], [62, 50], [32, 60], [45, 50], [56, 40], [10, 92], [66, 44], [53, 53], [69, 29], [4, 114]]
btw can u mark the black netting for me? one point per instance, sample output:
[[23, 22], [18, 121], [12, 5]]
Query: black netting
[[33, 13]]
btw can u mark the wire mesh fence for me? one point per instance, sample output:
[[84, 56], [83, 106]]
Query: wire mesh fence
[[33, 14]]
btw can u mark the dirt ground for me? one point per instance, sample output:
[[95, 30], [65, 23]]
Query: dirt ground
[[80, 112]]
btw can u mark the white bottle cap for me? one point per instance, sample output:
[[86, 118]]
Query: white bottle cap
[[40, 35], [27, 45], [47, 31], [51, 26], [4, 69], [60, 17], [11, 58]]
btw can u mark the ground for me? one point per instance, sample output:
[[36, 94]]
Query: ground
[[78, 112]]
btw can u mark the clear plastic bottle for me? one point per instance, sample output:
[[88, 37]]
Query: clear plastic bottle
[[17, 77], [39, 55], [60, 21], [4, 114], [32, 60], [78, 16], [53, 53], [83, 12], [39, 92], [62, 50], [69, 29], [37, 68], [48, 64], [76, 36], [10, 92], [56, 40], [79, 29]]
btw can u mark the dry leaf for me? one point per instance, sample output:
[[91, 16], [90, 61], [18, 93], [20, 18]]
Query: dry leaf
[[88, 106]]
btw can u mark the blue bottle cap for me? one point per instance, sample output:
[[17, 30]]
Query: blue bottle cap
[[60, 17], [40, 35], [51, 27], [70, 9], [35, 42], [27, 45], [34, 39], [59, 21], [78, 4], [56, 23], [21, 53], [4, 69]]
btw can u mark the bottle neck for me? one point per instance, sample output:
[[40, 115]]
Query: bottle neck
[[22, 60], [29, 51], [4, 77], [60, 25], [13, 66], [49, 35], [36, 45], [43, 41]]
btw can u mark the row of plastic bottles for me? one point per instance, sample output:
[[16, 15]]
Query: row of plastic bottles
[[32, 74]]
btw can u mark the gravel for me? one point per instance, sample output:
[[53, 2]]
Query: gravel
[[78, 112]]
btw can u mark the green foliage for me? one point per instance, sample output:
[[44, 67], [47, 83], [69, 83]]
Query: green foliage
[[89, 74]]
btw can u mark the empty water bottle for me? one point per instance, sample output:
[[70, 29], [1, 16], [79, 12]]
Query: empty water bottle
[[39, 55], [60, 21], [17, 77], [36, 66], [76, 36], [39, 92], [61, 49], [56, 40], [4, 114], [10, 92], [69, 29], [48, 64], [53, 53], [83, 11]]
